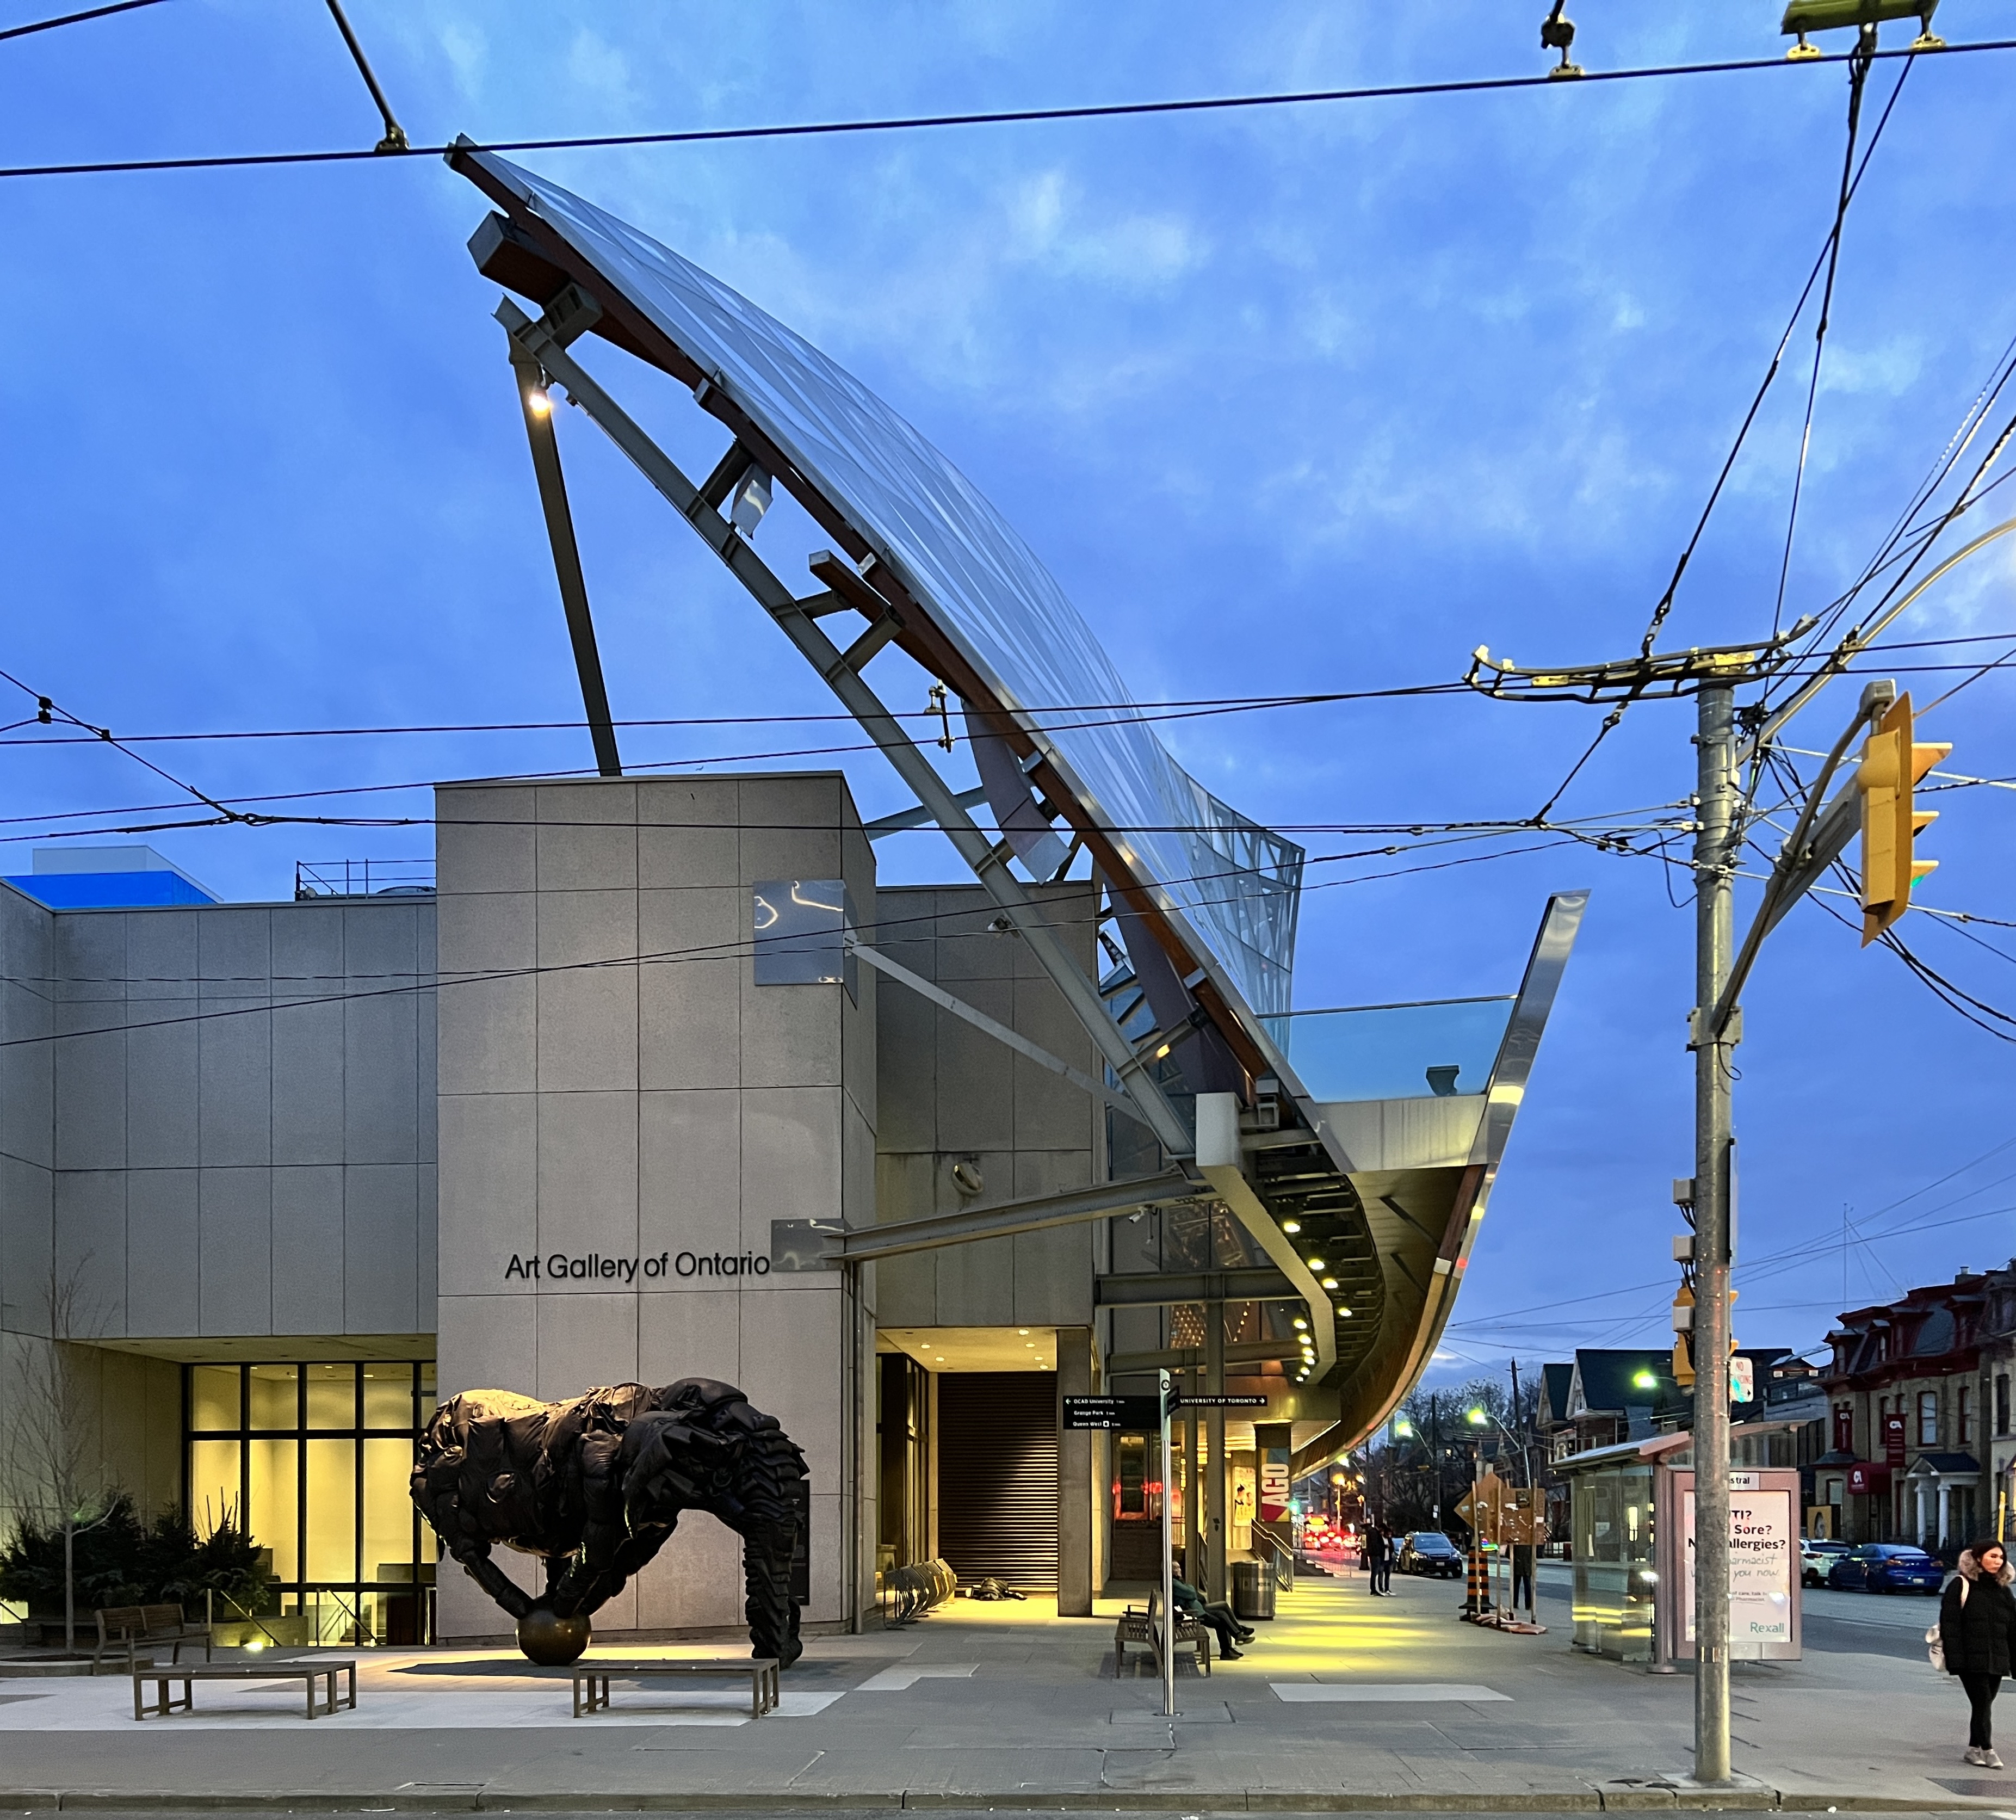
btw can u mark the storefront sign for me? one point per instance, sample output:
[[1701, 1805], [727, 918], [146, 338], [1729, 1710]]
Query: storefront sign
[[1865, 1477], [1760, 1566], [559, 1267], [1893, 1440]]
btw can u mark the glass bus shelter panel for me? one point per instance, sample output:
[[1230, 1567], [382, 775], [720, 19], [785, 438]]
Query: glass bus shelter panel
[[1613, 1561], [1395, 1052], [1236, 882]]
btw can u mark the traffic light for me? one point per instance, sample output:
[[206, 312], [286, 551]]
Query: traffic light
[[1893, 765], [1683, 1328]]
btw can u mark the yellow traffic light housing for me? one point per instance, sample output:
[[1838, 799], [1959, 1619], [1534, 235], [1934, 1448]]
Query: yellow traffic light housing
[[1893, 765]]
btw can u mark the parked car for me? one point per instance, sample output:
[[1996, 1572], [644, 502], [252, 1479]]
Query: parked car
[[1428, 1552], [1886, 1567], [1816, 1557]]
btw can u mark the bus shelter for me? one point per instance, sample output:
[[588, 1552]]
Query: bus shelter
[[1631, 1547]]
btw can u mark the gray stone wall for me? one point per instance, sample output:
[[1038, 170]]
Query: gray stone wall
[[613, 1084], [949, 1092], [244, 1118]]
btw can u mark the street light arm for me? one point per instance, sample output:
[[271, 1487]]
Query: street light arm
[[1795, 868], [1852, 645]]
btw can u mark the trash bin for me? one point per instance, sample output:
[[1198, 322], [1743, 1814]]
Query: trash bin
[[1252, 1591]]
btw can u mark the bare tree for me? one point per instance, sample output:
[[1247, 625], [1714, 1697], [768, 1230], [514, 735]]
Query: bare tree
[[53, 1446]]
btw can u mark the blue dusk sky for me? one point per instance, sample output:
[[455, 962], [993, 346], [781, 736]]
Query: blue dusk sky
[[1294, 399]]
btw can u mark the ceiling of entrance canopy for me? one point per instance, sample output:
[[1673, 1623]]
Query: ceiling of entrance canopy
[[1232, 881]]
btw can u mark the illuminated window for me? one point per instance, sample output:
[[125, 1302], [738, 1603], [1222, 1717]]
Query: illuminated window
[[315, 1459]]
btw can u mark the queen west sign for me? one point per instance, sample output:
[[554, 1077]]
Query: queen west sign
[[560, 1267]]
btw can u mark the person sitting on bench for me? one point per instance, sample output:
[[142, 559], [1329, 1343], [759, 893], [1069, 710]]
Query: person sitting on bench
[[1217, 1614]]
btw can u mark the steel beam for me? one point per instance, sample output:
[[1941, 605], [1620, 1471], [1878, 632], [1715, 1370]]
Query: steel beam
[[919, 817], [1166, 1289], [539, 413], [988, 864], [1192, 1358], [993, 1027], [1074, 1207]]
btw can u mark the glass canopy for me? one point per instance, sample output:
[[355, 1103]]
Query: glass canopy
[[1236, 883], [1395, 1052]]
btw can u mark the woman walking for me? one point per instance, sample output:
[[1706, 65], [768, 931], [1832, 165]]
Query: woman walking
[[1977, 1619]]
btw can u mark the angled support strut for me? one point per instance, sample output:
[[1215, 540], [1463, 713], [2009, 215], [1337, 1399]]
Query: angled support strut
[[539, 341]]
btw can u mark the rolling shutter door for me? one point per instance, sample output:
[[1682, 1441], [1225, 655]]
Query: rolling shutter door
[[997, 1475]]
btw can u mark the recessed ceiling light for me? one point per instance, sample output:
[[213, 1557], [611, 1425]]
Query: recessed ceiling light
[[1316, 1263], [1291, 1226], [1330, 1282], [1022, 1330]]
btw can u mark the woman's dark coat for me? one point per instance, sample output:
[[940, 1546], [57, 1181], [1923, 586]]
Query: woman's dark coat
[[1976, 1635]]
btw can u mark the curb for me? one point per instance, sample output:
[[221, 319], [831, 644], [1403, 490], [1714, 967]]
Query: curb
[[1584, 1800]]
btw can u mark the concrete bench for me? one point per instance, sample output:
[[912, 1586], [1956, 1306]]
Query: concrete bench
[[306, 1672], [1143, 1627], [134, 1625], [595, 1676]]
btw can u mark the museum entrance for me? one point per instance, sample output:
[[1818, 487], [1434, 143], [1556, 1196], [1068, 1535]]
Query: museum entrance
[[967, 1430], [313, 1460]]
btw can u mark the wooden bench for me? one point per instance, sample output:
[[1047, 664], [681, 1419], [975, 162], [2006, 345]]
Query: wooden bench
[[1143, 1628], [134, 1625], [306, 1672], [595, 1674]]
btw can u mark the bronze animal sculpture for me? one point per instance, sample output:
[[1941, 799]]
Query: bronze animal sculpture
[[595, 1487]]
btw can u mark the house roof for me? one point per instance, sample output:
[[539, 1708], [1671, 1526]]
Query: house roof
[[1555, 1381], [1608, 1380]]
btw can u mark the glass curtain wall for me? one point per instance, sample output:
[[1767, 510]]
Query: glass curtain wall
[[314, 1460]]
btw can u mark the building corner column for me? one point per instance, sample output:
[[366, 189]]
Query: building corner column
[[1076, 1486]]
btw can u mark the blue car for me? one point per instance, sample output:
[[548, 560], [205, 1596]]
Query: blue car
[[1886, 1567]]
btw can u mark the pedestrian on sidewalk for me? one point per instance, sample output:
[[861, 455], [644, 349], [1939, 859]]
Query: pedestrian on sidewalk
[[1977, 1619], [1378, 1556], [1213, 1615]]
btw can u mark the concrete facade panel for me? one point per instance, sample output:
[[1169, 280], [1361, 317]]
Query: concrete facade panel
[[308, 1069], [689, 1023], [488, 1029], [235, 1078], [27, 1246], [380, 1216], [161, 955], [163, 1247], [91, 1248], [586, 1339], [27, 1080], [696, 1582], [588, 1173], [381, 1083], [695, 838], [976, 1102], [588, 1030], [308, 1251], [485, 839], [90, 1085], [790, 1034], [585, 855], [790, 1155], [235, 1211], [489, 1207], [689, 1179]]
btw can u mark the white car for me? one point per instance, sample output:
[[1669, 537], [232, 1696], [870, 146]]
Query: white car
[[1816, 1558]]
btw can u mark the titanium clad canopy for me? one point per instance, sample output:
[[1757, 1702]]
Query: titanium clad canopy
[[1234, 883]]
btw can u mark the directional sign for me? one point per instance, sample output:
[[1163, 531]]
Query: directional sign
[[1139, 1414], [1187, 1401]]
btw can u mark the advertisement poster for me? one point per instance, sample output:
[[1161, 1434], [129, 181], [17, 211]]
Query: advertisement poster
[[1274, 1485], [1760, 1567]]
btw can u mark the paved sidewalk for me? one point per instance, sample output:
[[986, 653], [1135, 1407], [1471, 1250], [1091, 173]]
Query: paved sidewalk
[[1345, 1702]]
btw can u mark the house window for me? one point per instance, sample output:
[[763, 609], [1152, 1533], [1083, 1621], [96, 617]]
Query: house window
[[1963, 1426], [1844, 1428], [2002, 1404], [1928, 1418]]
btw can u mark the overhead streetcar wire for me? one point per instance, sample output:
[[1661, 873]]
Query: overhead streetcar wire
[[89, 12], [999, 117]]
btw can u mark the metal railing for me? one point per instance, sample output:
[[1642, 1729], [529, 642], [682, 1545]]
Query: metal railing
[[1273, 1550], [363, 878]]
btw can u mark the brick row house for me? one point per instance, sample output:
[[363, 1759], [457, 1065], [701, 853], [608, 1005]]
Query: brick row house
[[1920, 1417]]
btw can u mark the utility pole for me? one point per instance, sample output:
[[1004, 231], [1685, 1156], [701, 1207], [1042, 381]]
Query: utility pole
[[1715, 902]]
